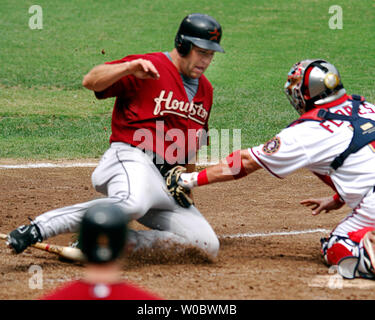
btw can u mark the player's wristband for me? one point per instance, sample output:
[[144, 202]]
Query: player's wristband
[[337, 198], [235, 165], [202, 178]]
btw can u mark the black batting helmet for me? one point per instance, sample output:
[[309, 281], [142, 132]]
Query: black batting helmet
[[103, 232], [201, 30]]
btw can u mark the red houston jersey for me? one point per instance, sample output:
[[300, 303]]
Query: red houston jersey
[[81, 290], [157, 114]]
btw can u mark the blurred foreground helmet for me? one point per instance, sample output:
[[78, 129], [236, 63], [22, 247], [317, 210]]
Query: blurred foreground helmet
[[103, 232], [312, 82]]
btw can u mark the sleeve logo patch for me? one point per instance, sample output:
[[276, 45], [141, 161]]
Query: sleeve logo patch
[[272, 146]]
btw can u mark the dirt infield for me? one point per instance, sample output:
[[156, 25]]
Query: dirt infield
[[269, 242]]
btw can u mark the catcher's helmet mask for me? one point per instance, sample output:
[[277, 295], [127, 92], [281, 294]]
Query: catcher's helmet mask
[[200, 30], [312, 81]]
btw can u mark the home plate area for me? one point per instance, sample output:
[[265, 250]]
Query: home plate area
[[269, 243]]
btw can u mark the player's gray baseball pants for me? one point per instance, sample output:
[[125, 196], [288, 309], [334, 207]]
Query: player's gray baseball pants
[[128, 177]]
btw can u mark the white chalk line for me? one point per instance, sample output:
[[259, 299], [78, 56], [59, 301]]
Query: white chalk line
[[271, 234], [46, 165], [66, 165]]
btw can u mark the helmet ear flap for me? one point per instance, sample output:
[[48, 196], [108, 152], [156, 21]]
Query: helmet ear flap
[[182, 45]]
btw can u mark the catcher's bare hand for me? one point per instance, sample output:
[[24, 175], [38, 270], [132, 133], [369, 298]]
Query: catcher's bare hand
[[143, 69], [318, 205]]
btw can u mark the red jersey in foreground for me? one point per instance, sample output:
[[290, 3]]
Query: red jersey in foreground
[[81, 290]]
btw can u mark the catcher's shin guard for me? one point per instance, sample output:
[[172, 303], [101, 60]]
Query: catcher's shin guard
[[363, 265], [369, 253], [354, 255], [336, 248]]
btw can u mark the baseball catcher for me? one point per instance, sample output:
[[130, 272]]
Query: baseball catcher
[[334, 137]]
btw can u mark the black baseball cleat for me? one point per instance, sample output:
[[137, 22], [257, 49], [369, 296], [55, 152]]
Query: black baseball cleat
[[23, 237]]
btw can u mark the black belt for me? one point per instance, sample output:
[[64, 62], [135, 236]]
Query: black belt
[[161, 164], [164, 168]]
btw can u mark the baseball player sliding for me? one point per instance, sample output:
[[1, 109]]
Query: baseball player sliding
[[334, 138], [163, 102]]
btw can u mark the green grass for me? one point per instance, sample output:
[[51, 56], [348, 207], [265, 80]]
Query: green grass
[[52, 123], [51, 136], [45, 112]]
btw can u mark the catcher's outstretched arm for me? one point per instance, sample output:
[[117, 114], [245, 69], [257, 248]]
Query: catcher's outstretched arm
[[235, 166]]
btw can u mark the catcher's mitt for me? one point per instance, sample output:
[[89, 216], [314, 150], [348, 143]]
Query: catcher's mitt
[[179, 193]]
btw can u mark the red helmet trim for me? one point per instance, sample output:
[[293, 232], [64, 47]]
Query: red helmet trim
[[306, 94]]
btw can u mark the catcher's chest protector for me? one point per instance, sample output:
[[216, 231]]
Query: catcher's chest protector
[[364, 129]]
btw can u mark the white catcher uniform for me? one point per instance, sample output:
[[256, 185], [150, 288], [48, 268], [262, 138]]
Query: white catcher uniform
[[314, 145]]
